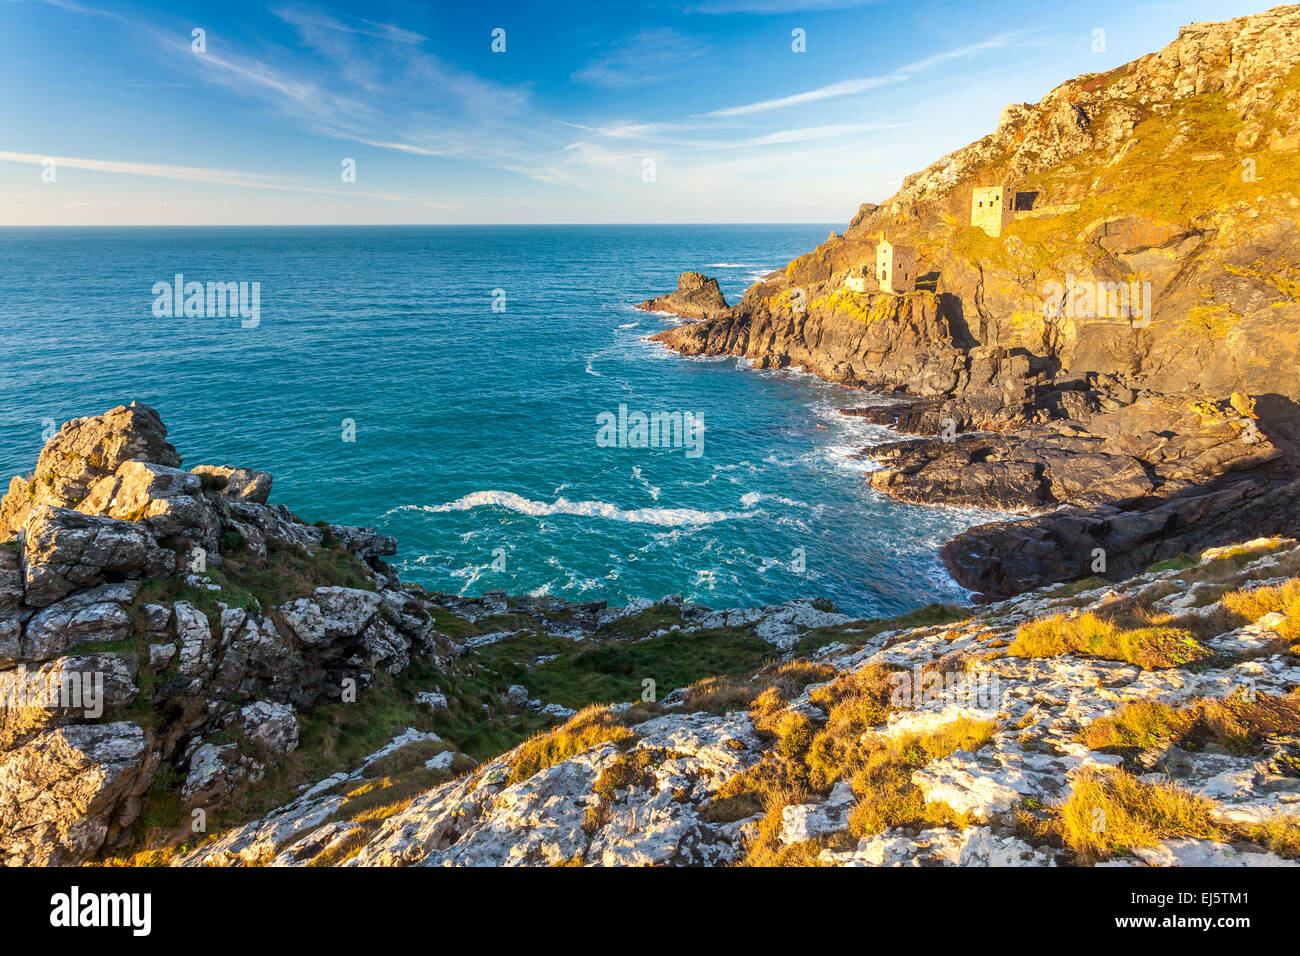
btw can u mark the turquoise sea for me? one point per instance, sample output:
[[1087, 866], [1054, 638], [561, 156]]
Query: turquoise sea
[[475, 429]]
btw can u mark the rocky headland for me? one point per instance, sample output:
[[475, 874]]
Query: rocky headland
[[1119, 362]]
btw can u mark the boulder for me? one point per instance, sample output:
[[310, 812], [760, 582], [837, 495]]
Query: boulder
[[166, 500], [64, 550], [243, 483], [97, 615], [65, 793], [86, 450]]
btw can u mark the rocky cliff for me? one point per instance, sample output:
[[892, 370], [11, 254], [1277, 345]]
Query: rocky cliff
[[1148, 271], [161, 632]]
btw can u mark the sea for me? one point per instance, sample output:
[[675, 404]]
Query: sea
[[482, 394]]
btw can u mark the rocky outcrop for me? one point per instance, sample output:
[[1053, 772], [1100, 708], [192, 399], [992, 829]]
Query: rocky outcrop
[[63, 551], [149, 622], [696, 297], [1005, 558], [198, 685], [86, 450]]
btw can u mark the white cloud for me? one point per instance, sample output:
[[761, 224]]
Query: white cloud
[[650, 56], [197, 174], [863, 84]]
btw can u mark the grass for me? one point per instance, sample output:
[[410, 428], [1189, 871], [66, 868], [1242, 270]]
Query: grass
[[806, 760], [883, 784], [586, 729], [634, 769], [857, 633], [615, 670], [1090, 635], [333, 737], [1239, 723], [254, 583], [1253, 603], [1111, 811]]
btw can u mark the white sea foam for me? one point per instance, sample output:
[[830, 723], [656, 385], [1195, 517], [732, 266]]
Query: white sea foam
[[754, 497], [666, 517], [728, 265], [651, 490]]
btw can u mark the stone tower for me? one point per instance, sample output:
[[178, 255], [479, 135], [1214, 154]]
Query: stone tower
[[895, 267], [992, 208]]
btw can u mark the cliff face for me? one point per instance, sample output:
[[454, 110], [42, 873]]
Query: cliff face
[[161, 634], [1151, 255]]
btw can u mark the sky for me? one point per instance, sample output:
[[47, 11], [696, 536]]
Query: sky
[[585, 112]]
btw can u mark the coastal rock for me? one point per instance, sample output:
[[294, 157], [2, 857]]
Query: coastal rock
[[86, 450], [72, 579], [696, 297], [244, 483], [65, 550], [1188, 852], [1090, 334], [65, 793], [95, 615], [974, 846]]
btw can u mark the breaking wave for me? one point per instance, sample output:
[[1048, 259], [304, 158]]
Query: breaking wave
[[664, 517]]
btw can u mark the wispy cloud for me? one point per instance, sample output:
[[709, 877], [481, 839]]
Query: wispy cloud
[[649, 56], [198, 174], [863, 84], [304, 17], [657, 134]]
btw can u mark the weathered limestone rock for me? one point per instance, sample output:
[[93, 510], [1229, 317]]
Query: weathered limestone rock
[[365, 543], [166, 500], [244, 483], [974, 846], [65, 550], [96, 615], [86, 450], [68, 689], [804, 821], [1188, 852], [66, 792]]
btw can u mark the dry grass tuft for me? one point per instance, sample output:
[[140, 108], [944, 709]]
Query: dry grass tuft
[[1090, 635], [1254, 603], [1239, 723], [588, 727], [1110, 811]]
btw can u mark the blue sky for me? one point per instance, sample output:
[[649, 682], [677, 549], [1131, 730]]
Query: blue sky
[[560, 127]]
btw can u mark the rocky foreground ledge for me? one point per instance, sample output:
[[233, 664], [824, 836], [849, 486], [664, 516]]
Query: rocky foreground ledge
[[268, 692], [1160, 707]]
